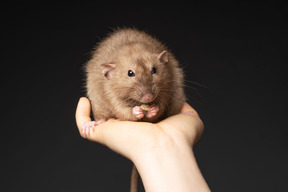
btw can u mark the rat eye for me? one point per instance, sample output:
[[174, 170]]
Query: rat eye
[[131, 73], [153, 70]]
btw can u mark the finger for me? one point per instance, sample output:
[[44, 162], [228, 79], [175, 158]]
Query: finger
[[187, 109], [83, 111], [187, 122], [122, 137]]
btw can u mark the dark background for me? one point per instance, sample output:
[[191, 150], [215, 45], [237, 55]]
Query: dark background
[[235, 53]]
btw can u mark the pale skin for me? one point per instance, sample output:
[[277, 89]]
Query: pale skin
[[162, 152]]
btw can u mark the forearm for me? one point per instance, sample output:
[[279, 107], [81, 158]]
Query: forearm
[[161, 152], [171, 170]]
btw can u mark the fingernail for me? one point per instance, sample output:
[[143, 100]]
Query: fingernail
[[189, 113]]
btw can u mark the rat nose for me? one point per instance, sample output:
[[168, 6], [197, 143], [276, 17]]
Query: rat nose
[[148, 97]]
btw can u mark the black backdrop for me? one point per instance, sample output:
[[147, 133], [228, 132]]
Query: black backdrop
[[235, 53]]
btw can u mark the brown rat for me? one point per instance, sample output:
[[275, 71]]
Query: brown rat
[[130, 68]]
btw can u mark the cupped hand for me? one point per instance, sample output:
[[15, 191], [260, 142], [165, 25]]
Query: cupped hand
[[131, 139]]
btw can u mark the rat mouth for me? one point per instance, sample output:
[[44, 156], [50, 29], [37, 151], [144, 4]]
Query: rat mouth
[[149, 103], [133, 102]]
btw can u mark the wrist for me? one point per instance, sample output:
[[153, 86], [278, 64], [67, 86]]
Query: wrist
[[170, 166]]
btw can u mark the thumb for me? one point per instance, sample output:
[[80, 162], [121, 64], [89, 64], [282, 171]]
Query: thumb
[[120, 136], [83, 112], [82, 115]]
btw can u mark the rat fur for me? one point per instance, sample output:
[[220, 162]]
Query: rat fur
[[130, 68]]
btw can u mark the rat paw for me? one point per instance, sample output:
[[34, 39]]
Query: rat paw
[[87, 126], [137, 112], [152, 112]]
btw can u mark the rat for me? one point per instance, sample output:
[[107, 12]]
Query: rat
[[133, 76]]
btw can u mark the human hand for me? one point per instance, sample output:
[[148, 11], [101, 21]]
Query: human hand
[[131, 138], [162, 152]]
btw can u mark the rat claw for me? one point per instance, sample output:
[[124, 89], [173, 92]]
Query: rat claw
[[152, 111], [99, 122], [137, 112], [87, 126], [85, 132]]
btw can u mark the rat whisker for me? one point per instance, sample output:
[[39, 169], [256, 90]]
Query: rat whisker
[[196, 83], [114, 90]]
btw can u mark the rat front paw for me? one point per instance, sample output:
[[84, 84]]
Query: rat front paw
[[137, 112], [152, 112], [90, 125]]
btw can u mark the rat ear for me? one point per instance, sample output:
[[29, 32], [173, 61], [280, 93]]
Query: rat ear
[[163, 57], [108, 69]]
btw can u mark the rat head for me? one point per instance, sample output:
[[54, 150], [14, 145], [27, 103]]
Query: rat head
[[138, 77]]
